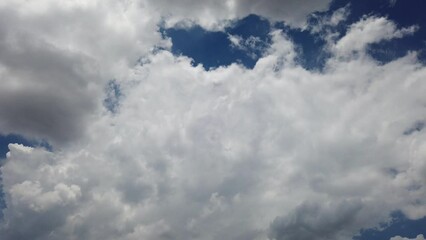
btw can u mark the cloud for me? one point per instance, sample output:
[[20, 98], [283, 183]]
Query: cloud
[[212, 14], [328, 22], [53, 71], [229, 153], [252, 46], [367, 31], [316, 221], [419, 237], [57, 57]]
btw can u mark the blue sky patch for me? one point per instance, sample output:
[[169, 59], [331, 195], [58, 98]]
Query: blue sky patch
[[113, 95], [403, 14], [215, 48], [416, 127], [400, 226], [311, 53]]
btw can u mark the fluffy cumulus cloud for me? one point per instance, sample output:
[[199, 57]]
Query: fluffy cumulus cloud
[[55, 56], [274, 152]]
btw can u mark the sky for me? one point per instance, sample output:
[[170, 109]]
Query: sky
[[206, 119]]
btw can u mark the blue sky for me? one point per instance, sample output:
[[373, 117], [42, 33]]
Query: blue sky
[[213, 120], [214, 49], [400, 225]]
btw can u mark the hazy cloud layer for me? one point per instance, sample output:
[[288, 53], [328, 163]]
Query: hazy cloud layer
[[273, 152]]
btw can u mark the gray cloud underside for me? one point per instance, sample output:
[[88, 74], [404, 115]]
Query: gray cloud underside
[[214, 14]]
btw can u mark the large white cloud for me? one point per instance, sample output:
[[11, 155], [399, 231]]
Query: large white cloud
[[275, 152]]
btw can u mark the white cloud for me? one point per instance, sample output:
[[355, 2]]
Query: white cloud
[[328, 22], [419, 237], [367, 31], [252, 46], [56, 57], [29, 194], [230, 153], [339, 16], [236, 41]]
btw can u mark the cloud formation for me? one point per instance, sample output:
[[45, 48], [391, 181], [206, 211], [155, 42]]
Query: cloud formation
[[56, 57], [213, 14], [419, 237], [315, 221], [274, 152], [367, 31]]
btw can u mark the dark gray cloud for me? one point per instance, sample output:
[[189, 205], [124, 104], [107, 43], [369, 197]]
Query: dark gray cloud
[[56, 60], [45, 91], [316, 221]]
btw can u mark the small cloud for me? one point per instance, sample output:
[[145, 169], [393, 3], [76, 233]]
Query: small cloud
[[253, 46], [419, 237], [235, 41]]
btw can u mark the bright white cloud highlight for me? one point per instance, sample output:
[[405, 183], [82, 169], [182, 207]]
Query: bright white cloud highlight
[[367, 31]]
